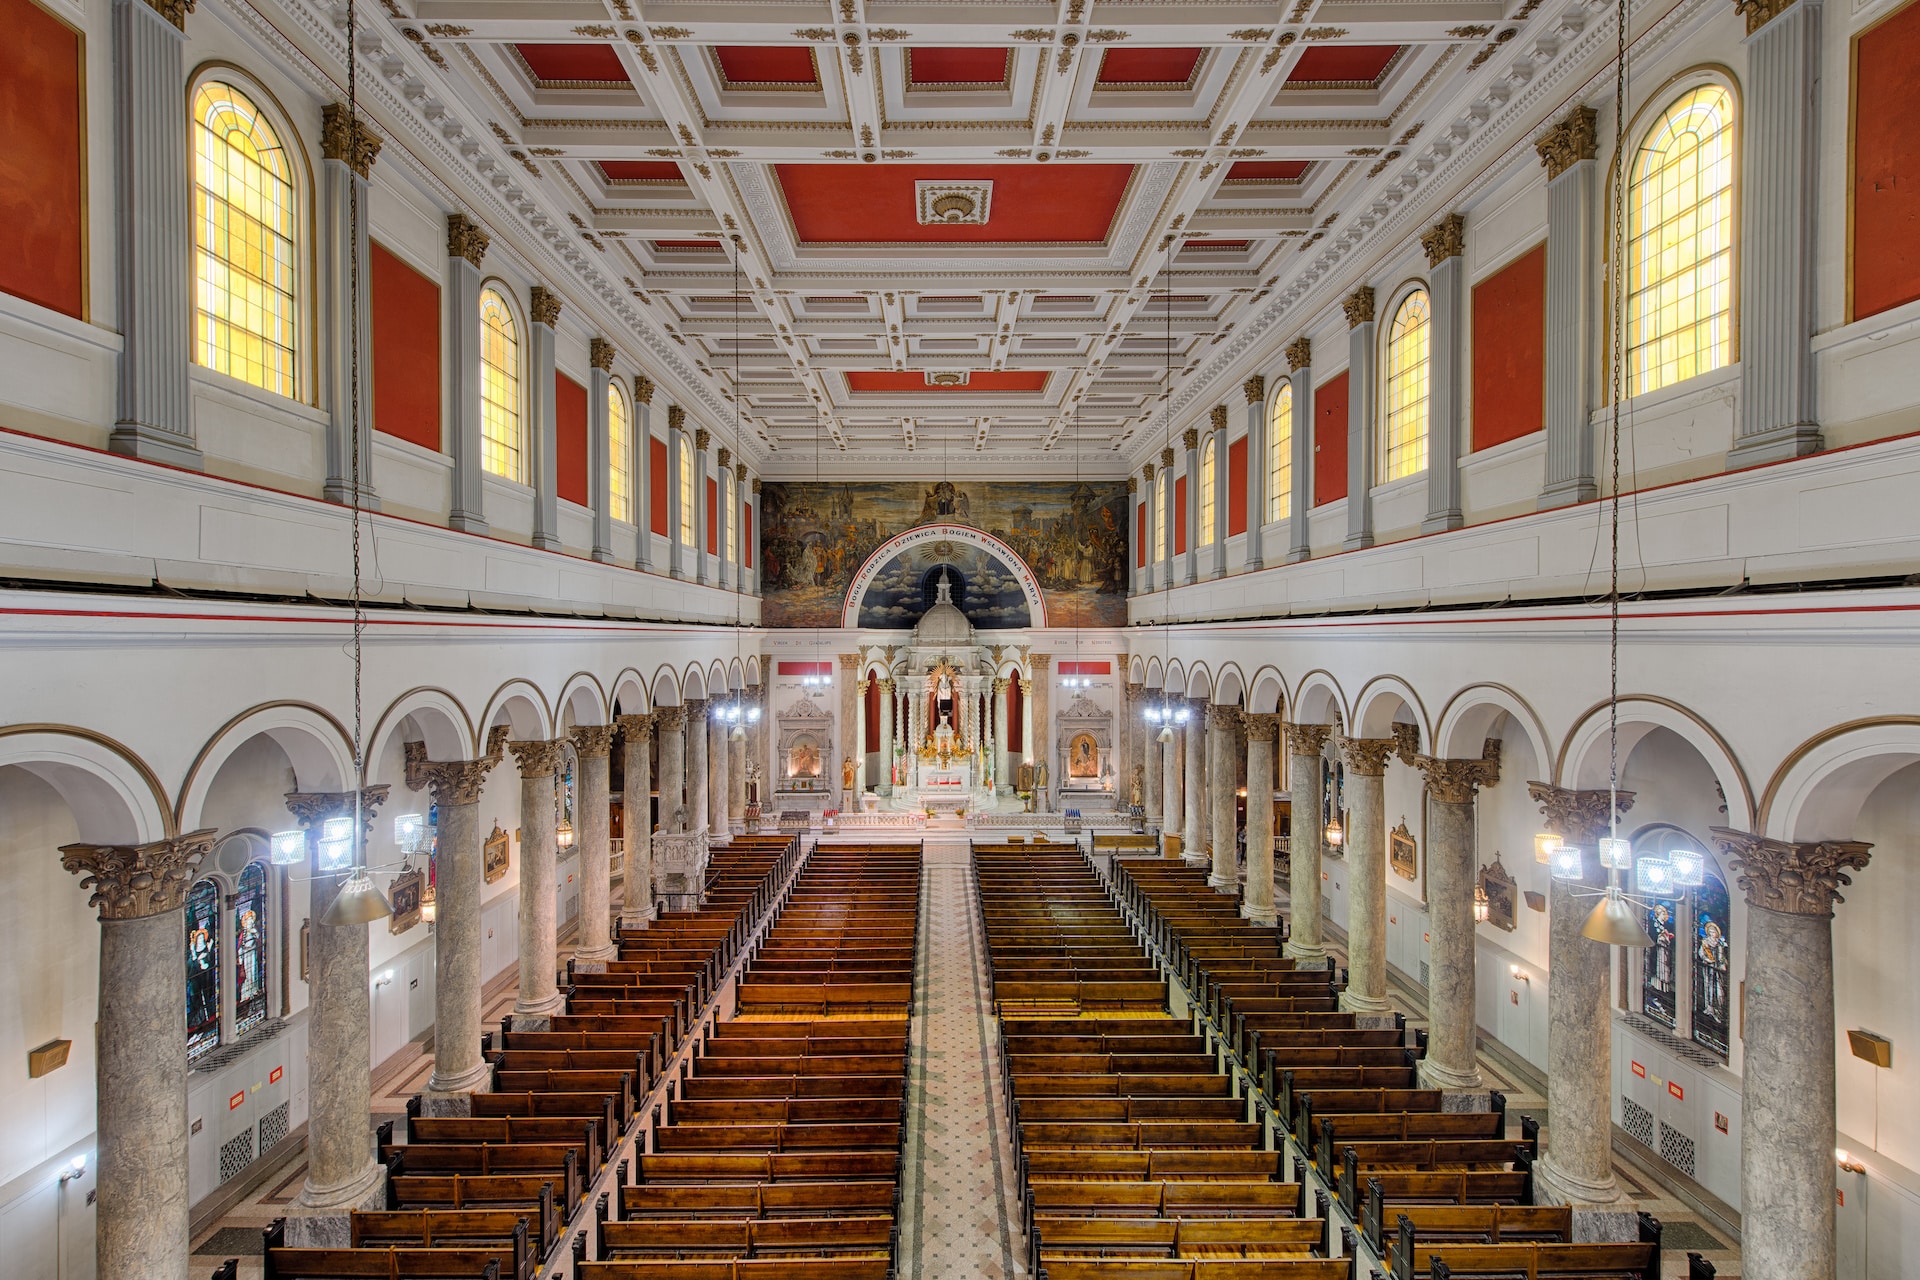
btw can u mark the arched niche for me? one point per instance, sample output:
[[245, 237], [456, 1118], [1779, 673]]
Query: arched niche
[[989, 581]]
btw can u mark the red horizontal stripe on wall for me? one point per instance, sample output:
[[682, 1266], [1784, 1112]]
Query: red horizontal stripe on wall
[[803, 668], [1086, 668]]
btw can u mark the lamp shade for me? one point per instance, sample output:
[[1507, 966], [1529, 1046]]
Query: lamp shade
[[1544, 843], [358, 902], [1614, 922]]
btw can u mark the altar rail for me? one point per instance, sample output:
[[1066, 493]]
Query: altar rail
[[913, 820]]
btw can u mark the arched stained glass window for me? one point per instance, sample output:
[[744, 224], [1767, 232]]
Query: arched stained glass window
[[1712, 955], [243, 239], [1209, 531], [500, 447], [1160, 516], [686, 492], [1680, 243], [619, 455], [250, 949], [1403, 434], [1280, 456], [1684, 975], [203, 968]]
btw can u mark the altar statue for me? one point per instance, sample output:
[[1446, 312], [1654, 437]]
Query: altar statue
[[846, 772], [1136, 795]]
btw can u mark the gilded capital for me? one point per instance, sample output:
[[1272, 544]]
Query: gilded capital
[[1254, 389], [756, 486], [670, 719], [1308, 739], [1133, 484], [1220, 418], [1759, 13], [1447, 238], [701, 439], [1190, 439], [886, 687], [312, 808], [865, 683], [465, 239], [1359, 306], [1792, 878], [346, 139], [591, 741], [1000, 684], [740, 471], [643, 388], [634, 728], [1577, 817], [848, 661], [1458, 781], [1146, 472], [600, 354], [726, 457], [1366, 756], [1166, 458], [452, 782], [131, 881], [1299, 353], [1223, 716], [174, 11], [676, 418], [1570, 141], [544, 305], [1262, 725], [1406, 741], [1041, 662]]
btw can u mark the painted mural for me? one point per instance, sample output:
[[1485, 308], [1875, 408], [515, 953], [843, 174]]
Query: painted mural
[[815, 537]]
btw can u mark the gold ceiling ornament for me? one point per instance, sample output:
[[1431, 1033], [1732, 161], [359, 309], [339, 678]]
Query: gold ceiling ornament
[[596, 30], [1250, 35], [544, 305], [1446, 239], [600, 354], [1359, 306], [1573, 139], [347, 140], [1801, 879], [465, 239], [1472, 32], [1299, 354], [813, 33], [669, 33], [131, 881], [1324, 33]]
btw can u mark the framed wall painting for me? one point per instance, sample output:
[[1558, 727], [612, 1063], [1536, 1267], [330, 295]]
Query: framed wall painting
[[405, 895], [1501, 890], [1403, 852], [496, 854]]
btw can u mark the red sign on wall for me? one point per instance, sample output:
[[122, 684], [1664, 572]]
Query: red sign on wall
[[236, 1100], [1676, 1091], [273, 1076], [1640, 1071]]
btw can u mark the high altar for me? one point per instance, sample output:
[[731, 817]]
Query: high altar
[[949, 760]]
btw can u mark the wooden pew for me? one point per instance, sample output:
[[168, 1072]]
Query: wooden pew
[[1411, 1257], [1469, 1224], [450, 1228], [514, 1261], [1450, 1186], [758, 1200]]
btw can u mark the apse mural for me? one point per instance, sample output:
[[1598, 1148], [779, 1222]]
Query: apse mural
[[816, 536]]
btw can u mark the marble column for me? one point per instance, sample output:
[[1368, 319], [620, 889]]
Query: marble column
[[1042, 726], [1258, 904], [636, 820], [887, 733], [153, 238], [1366, 844], [1154, 786], [141, 1050], [1452, 1060], [1577, 1166], [1787, 1092], [670, 723], [543, 457], [719, 828], [1222, 775], [1026, 718], [600, 446], [1300, 499], [1779, 208], [342, 1174], [1190, 560], [592, 745], [347, 149], [1362, 359], [860, 745], [736, 777], [701, 438], [454, 786], [679, 520], [466, 250], [643, 389], [1255, 391], [1193, 734], [1305, 745], [1568, 151], [698, 816], [539, 999], [1173, 773], [1446, 246]]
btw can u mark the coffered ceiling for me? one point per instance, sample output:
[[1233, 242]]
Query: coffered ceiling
[[970, 230]]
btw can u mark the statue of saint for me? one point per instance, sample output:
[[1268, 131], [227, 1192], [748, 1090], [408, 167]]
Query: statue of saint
[[1135, 793], [846, 772]]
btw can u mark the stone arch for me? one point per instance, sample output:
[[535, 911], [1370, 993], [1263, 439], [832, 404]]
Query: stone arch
[[1200, 682], [1230, 686], [583, 700], [1136, 670], [314, 743], [694, 683], [442, 722], [1155, 677], [666, 688], [736, 675], [1269, 692], [1317, 699], [717, 682], [521, 706], [114, 795], [1384, 700], [1176, 680], [1819, 789], [755, 674], [1583, 755], [928, 535], [630, 692], [1471, 716]]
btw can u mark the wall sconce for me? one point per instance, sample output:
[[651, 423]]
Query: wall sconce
[[48, 1058], [1335, 833], [385, 978], [1482, 909], [1869, 1047], [289, 848], [1544, 843], [76, 1168], [1847, 1162], [1519, 974]]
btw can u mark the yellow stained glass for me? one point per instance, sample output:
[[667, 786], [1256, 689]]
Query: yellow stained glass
[[1207, 513], [1403, 441], [732, 518], [1680, 243], [686, 493], [243, 228], [1160, 516], [500, 451], [1280, 456], [619, 457]]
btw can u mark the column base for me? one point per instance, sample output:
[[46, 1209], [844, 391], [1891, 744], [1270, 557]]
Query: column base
[[320, 1218], [1598, 1206], [1264, 917], [1306, 951], [596, 956], [1441, 521], [1461, 1084], [1351, 1003], [469, 522], [341, 492], [1565, 493], [1254, 563], [449, 1096], [1357, 541], [1775, 444], [546, 542], [1297, 554], [1200, 861], [151, 444], [603, 555], [1225, 884], [644, 563], [637, 919], [677, 573]]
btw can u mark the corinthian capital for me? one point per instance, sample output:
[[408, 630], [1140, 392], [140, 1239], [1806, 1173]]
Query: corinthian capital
[[1261, 725], [1457, 781], [635, 728], [1299, 353], [130, 881], [1359, 306], [312, 808], [346, 139], [1366, 756], [454, 781], [1577, 817], [1307, 739], [1796, 879], [1255, 389], [465, 239], [1569, 142], [591, 741], [670, 719]]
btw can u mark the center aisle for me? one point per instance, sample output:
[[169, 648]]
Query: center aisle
[[959, 1200]]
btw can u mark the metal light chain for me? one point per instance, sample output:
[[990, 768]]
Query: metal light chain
[[353, 420], [1619, 212]]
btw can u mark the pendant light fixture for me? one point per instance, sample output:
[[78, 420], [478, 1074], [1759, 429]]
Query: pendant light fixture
[[1163, 714], [733, 713]]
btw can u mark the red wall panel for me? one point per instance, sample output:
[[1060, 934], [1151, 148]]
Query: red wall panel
[[1180, 516], [746, 533], [713, 516], [1510, 351], [406, 351], [1016, 725], [42, 218], [1886, 165], [657, 483], [1237, 487], [1140, 536], [871, 705], [1330, 441], [570, 438]]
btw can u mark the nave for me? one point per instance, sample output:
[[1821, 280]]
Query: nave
[[867, 1060]]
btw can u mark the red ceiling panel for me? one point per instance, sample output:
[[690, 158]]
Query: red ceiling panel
[[1267, 170], [895, 381], [768, 66], [1038, 204], [1343, 64], [1148, 66], [574, 65], [641, 171], [951, 67]]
